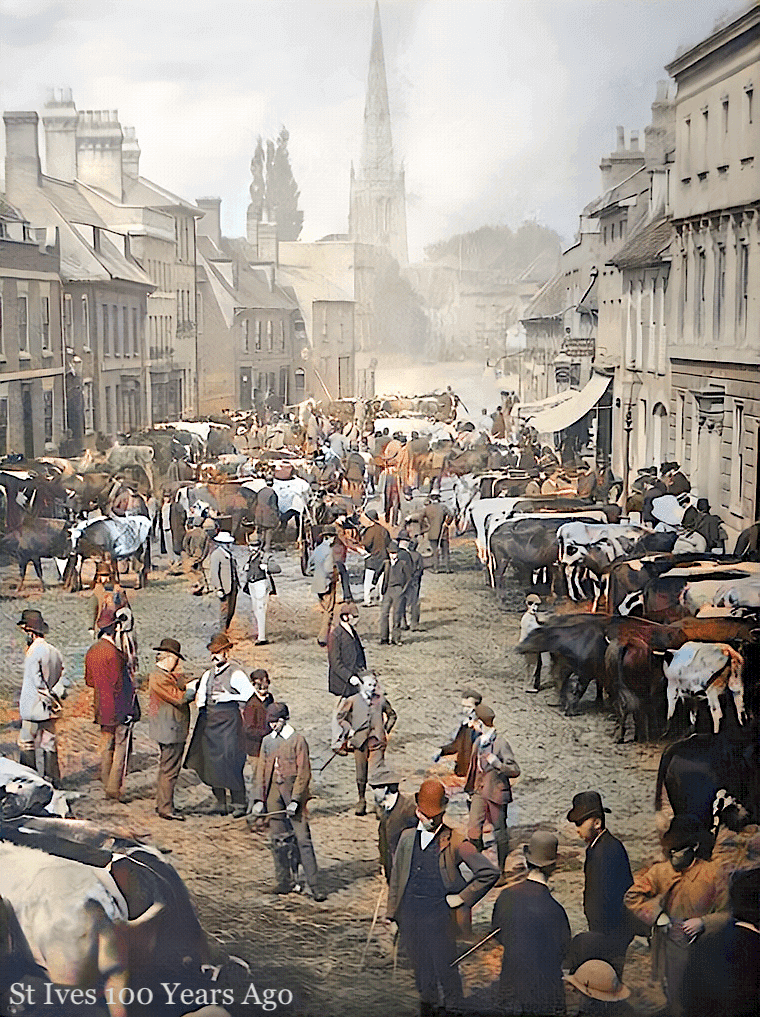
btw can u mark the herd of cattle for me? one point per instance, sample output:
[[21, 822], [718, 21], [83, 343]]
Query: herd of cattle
[[669, 639]]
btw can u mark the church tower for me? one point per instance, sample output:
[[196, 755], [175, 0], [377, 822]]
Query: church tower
[[377, 213]]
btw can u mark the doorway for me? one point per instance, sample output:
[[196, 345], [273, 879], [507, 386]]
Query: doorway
[[28, 418]]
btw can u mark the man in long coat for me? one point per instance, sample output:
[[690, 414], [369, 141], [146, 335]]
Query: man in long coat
[[435, 526], [428, 897], [267, 514], [116, 708], [395, 813], [217, 748], [223, 577], [375, 540], [534, 932], [43, 686], [283, 775], [345, 653], [168, 721], [607, 872], [492, 764], [366, 719]]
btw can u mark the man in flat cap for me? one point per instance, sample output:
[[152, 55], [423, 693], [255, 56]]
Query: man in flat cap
[[168, 721], [534, 932], [671, 897], [428, 897], [608, 876], [43, 686], [492, 764], [281, 787]]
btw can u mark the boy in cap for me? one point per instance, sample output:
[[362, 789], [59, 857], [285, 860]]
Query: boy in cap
[[533, 661], [283, 775], [671, 897], [492, 764], [428, 897], [534, 932], [169, 721], [607, 872], [43, 686]]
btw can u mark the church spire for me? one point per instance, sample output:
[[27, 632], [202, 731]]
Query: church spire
[[377, 145]]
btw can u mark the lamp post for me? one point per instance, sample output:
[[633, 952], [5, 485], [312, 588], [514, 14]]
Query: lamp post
[[627, 427]]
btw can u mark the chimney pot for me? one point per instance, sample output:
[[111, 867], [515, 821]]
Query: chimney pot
[[634, 141], [620, 139]]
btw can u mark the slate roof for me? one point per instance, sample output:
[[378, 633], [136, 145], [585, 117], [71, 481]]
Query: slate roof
[[550, 301], [646, 245]]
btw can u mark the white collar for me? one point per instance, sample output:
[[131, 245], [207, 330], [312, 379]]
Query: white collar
[[488, 736], [426, 836], [596, 839], [286, 732]]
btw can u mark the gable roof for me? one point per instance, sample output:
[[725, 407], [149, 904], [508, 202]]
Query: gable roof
[[646, 245]]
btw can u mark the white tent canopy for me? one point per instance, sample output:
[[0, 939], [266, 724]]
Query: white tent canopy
[[566, 413]]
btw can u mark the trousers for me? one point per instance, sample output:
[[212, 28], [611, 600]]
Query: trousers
[[280, 827], [169, 765], [259, 594], [482, 809], [391, 611], [115, 745]]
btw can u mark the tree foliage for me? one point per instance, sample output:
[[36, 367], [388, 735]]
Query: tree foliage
[[273, 190], [525, 253]]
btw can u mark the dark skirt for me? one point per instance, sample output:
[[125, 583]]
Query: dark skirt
[[217, 747]]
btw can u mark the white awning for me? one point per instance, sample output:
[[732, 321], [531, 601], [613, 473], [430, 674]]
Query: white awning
[[524, 410], [562, 416]]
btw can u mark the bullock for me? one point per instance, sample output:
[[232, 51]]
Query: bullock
[[740, 596], [122, 457], [578, 541], [748, 543], [634, 674], [577, 645], [36, 539], [117, 538], [96, 912], [24, 791], [695, 769], [708, 668], [652, 585]]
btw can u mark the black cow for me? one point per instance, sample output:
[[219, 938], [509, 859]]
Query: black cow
[[34, 540], [693, 770], [577, 645]]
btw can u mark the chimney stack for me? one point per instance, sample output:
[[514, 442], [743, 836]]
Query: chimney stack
[[620, 139], [211, 224], [22, 153], [99, 141], [59, 117], [130, 154], [267, 246]]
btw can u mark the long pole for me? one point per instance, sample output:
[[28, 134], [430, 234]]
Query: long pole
[[372, 927]]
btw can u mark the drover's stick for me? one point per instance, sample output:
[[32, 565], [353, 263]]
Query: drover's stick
[[372, 927], [474, 948]]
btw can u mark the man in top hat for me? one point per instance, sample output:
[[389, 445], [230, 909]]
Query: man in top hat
[[397, 575], [534, 931], [723, 969], [395, 813], [435, 525], [492, 764], [217, 746], [607, 872], [375, 540], [223, 577], [106, 670], [168, 721], [428, 897], [345, 653], [462, 739], [283, 775], [43, 686], [365, 720], [596, 991], [266, 513], [671, 897]]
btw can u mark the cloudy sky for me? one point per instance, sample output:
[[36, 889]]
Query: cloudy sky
[[501, 109]]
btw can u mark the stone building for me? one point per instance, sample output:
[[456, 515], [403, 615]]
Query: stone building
[[714, 334], [32, 357]]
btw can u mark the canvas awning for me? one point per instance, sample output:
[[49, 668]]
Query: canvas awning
[[559, 417], [525, 410]]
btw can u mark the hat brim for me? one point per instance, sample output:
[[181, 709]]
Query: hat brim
[[226, 646], [223, 537], [623, 992], [39, 630], [166, 649], [429, 815], [579, 815], [541, 863]]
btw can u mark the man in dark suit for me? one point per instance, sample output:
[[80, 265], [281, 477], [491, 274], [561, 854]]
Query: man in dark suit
[[723, 969], [395, 812], [607, 877], [534, 931], [267, 514], [375, 540], [462, 740], [492, 764], [397, 576], [345, 653], [429, 897]]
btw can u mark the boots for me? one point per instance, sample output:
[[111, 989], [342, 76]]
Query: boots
[[361, 804], [28, 757], [502, 850], [52, 769], [280, 844], [220, 793], [240, 806]]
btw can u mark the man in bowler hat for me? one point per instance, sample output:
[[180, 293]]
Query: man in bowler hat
[[428, 897], [168, 721], [43, 686]]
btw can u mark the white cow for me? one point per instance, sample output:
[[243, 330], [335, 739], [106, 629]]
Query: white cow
[[705, 668], [743, 593]]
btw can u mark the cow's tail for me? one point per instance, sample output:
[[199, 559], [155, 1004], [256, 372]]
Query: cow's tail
[[661, 772]]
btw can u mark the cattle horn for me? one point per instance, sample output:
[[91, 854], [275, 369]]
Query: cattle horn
[[147, 916]]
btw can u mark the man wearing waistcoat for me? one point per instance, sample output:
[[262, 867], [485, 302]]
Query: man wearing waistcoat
[[428, 897]]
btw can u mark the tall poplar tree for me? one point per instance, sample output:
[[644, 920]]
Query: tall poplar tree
[[282, 190]]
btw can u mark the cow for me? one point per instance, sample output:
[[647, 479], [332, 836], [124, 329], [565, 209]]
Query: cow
[[707, 668], [577, 644], [121, 457], [37, 538], [694, 769], [634, 679], [94, 911], [742, 595], [118, 538], [577, 540], [24, 791]]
